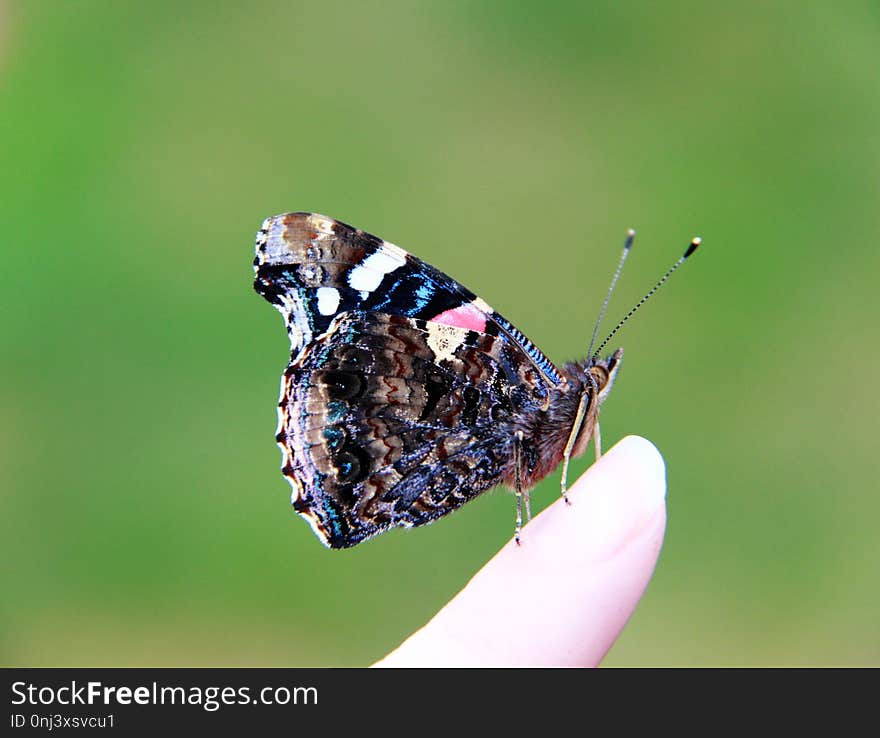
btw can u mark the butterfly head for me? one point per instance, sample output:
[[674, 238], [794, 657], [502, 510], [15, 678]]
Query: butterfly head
[[602, 373], [591, 381]]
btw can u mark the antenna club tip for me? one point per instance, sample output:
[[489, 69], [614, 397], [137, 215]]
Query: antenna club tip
[[694, 245], [631, 232]]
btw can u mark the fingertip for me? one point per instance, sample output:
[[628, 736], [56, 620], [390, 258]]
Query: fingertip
[[576, 578], [619, 495], [635, 461], [645, 458]]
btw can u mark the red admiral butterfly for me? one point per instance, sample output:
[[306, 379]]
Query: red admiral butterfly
[[406, 395]]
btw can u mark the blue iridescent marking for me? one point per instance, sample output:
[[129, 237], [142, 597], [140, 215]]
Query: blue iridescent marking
[[541, 361], [424, 292], [336, 410], [333, 516], [334, 437], [413, 292]]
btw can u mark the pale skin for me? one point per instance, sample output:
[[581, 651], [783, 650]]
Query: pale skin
[[562, 596]]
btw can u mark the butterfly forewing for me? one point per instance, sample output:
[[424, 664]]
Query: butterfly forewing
[[312, 268]]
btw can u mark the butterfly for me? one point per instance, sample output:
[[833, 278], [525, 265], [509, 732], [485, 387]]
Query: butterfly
[[406, 395]]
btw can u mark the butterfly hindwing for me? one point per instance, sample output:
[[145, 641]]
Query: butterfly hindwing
[[391, 421]]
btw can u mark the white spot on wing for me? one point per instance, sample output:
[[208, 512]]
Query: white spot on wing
[[395, 251], [328, 300], [367, 275], [444, 339], [480, 304]]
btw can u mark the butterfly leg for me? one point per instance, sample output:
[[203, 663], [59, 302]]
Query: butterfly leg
[[527, 498], [597, 441], [517, 462], [572, 437]]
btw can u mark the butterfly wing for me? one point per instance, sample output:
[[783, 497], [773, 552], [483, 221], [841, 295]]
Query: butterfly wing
[[390, 421], [312, 268], [397, 406]]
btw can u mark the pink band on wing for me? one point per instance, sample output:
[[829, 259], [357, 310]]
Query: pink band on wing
[[467, 316]]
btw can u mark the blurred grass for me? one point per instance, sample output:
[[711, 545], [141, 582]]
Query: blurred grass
[[511, 144]]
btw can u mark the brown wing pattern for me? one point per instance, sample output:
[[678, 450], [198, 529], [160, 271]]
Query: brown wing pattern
[[391, 421]]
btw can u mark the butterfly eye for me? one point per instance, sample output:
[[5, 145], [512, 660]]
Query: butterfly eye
[[600, 375]]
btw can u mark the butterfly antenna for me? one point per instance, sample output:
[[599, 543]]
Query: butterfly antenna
[[630, 235], [690, 250]]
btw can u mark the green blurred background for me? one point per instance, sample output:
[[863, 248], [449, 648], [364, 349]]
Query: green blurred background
[[144, 519]]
